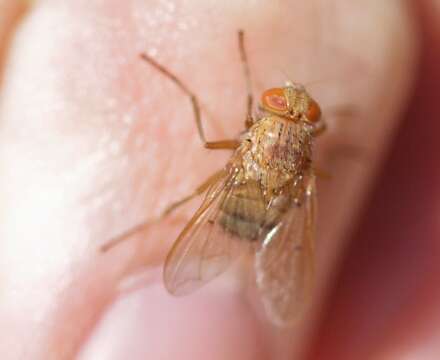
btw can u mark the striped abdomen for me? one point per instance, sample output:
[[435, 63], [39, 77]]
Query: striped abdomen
[[245, 213]]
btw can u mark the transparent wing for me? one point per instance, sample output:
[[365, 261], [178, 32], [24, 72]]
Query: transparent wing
[[284, 263], [203, 249]]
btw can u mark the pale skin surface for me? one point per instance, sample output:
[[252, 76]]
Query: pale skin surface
[[93, 141]]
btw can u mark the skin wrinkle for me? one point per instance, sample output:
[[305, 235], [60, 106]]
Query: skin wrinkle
[[73, 308]]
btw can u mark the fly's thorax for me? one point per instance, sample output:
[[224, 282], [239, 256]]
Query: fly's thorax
[[276, 150]]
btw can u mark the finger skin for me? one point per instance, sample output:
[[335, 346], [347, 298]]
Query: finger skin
[[386, 303], [93, 141]]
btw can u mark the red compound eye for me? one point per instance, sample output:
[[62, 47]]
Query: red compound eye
[[313, 113], [274, 100]]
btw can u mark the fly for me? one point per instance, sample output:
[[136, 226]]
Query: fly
[[263, 200]]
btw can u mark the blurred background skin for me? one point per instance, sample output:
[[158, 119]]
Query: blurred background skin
[[384, 304]]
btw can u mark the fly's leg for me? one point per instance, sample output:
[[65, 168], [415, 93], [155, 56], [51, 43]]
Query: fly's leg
[[320, 129], [222, 144], [348, 151], [343, 112], [194, 102], [198, 191], [110, 244], [322, 174], [173, 206], [247, 75]]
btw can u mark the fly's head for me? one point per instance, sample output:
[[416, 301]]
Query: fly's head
[[292, 102]]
